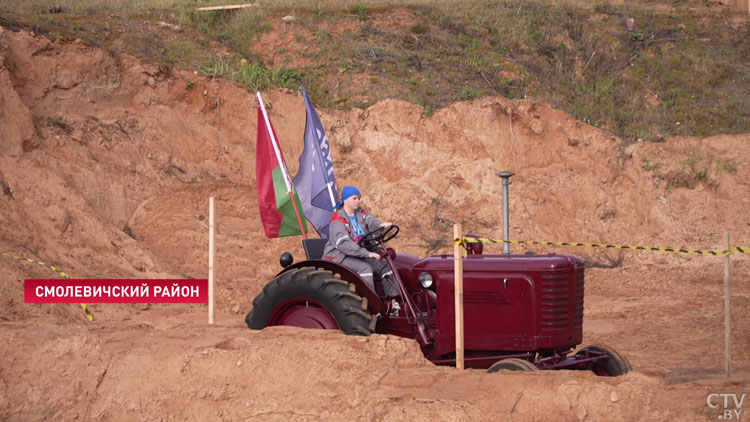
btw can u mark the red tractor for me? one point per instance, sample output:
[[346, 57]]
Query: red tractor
[[521, 312]]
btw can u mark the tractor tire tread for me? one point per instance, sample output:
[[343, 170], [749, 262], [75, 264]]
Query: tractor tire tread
[[338, 297], [356, 311], [347, 294], [362, 331], [333, 281]]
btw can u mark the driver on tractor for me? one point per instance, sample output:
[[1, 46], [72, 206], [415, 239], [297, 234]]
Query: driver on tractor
[[348, 225]]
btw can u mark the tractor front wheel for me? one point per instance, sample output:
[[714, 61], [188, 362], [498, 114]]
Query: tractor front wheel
[[311, 298], [513, 364], [615, 366]]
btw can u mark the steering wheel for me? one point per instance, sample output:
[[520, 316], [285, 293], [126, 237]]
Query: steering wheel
[[377, 236]]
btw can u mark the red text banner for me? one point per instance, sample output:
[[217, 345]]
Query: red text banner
[[135, 290]]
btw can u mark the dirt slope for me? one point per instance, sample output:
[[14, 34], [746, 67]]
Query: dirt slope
[[106, 166]]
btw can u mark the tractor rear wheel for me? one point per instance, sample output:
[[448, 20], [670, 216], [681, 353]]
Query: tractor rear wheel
[[513, 364], [311, 298], [615, 366]]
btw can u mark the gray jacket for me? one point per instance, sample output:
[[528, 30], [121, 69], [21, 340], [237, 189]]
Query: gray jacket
[[340, 238]]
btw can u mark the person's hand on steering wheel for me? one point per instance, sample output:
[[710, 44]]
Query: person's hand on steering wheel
[[373, 255]]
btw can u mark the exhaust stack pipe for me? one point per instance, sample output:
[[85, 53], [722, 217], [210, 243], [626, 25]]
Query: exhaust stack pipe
[[505, 175]]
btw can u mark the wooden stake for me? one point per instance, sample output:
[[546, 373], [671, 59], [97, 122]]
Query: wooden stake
[[727, 311], [231, 6], [211, 252], [458, 277]]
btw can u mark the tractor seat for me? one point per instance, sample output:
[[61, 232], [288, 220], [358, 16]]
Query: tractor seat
[[314, 247]]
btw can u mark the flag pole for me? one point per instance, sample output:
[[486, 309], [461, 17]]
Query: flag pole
[[284, 171], [330, 194], [296, 213]]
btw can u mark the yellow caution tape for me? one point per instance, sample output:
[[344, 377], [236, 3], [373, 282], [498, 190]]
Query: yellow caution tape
[[86, 311], [725, 252]]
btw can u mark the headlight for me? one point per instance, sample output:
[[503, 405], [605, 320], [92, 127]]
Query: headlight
[[425, 279]]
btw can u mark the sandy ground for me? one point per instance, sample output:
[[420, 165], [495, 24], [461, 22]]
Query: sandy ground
[[106, 166]]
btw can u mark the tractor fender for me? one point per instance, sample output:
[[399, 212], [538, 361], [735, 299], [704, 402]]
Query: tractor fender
[[374, 305]]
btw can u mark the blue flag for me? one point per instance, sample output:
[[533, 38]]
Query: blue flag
[[315, 183]]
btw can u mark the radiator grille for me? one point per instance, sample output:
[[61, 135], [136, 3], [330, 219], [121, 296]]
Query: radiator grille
[[555, 298], [578, 310]]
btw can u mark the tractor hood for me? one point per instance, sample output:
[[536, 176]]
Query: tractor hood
[[492, 263]]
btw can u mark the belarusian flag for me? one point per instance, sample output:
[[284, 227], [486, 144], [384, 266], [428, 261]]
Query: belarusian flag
[[279, 215]]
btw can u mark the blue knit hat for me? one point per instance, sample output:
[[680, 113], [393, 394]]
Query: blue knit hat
[[347, 193]]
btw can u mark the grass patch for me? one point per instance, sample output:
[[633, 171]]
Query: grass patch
[[253, 75], [671, 72], [726, 165], [59, 123], [650, 163], [361, 11]]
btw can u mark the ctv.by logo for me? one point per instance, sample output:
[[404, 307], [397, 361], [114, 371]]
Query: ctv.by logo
[[714, 401]]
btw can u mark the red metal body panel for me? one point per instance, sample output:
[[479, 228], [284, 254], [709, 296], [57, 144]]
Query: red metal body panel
[[513, 305]]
